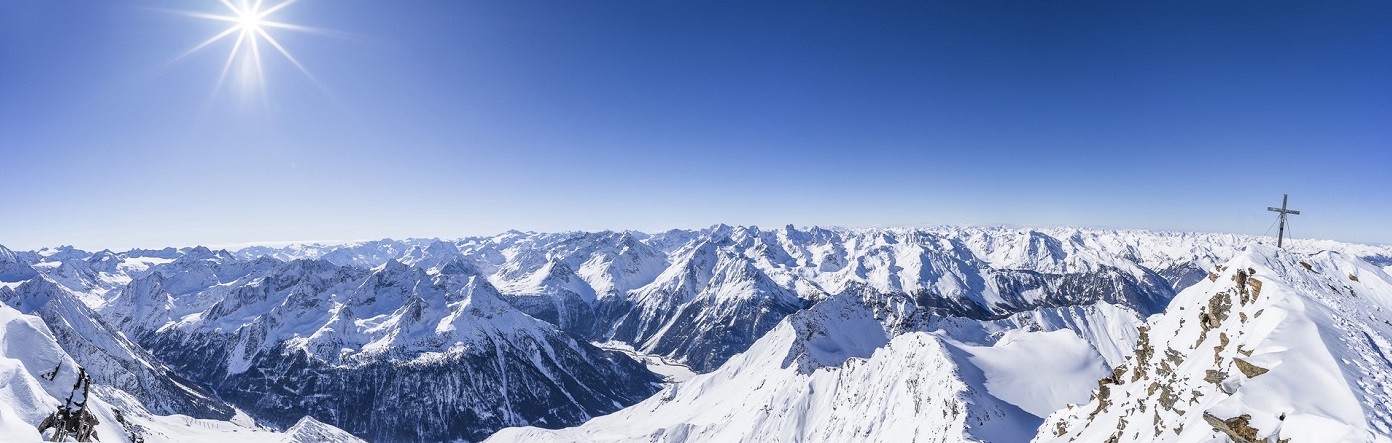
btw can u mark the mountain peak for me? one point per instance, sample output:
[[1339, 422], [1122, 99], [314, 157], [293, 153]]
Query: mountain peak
[[12, 269], [459, 266], [1272, 345]]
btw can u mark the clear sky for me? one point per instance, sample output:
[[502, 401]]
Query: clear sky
[[458, 117]]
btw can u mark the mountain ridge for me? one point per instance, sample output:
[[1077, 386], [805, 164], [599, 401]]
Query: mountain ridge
[[395, 313]]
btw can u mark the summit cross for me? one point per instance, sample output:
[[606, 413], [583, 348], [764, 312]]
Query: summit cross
[[1281, 233]]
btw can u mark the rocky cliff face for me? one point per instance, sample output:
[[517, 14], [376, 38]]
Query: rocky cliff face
[[396, 353]]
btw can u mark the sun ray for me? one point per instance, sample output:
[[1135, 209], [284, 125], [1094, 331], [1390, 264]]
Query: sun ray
[[205, 43], [248, 20], [236, 47], [275, 44], [296, 62], [275, 8], [225, 18], [256, 60], [300, 28], [231, 6], [260, 71]]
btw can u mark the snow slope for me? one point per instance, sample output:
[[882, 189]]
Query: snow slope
[[109, 358], [851, 369], [1273, 345], [37, 376], [1038, 371], [843, 371]]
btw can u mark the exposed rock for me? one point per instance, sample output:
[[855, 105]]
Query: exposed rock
[[73, 419], [1214, 376], [1241, 279], [1248, 369], [1143, 353], [1174, 356], [1246, 352], [1167, 398], [1217, 350], [1116, 377], [1235, 428], [1218, 308]]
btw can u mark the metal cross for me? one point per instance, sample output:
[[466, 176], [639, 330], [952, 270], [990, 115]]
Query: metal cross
[[1283, 211]]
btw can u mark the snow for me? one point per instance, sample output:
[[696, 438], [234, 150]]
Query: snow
[[670, 371], [1318, 325], [833, 374], [1009, 345], [727, 271], [35, 373], [1018, 364], [12, 426], [904, 391], [1038, 371]]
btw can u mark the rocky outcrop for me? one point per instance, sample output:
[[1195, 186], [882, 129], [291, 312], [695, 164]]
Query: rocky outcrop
[[73, 420], [1282, 331]]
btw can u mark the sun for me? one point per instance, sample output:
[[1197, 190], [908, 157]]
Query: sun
[[250, 32], [248, 20]]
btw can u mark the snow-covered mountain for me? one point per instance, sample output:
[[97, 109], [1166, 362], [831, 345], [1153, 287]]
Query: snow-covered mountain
[[1272, 346], [863, 367], [393, 353], [699, 297], [107, 356], [936, 332], [46, 392], [12, 268], [274, 339], [1269, 345]]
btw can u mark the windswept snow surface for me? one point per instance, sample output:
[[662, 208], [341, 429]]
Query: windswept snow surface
[[1274, 345], [1038, 371]]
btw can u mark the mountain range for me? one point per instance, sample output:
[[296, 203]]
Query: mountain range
[[813, 334]]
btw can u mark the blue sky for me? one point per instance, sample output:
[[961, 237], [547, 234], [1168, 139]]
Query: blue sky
[[451, 118]]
